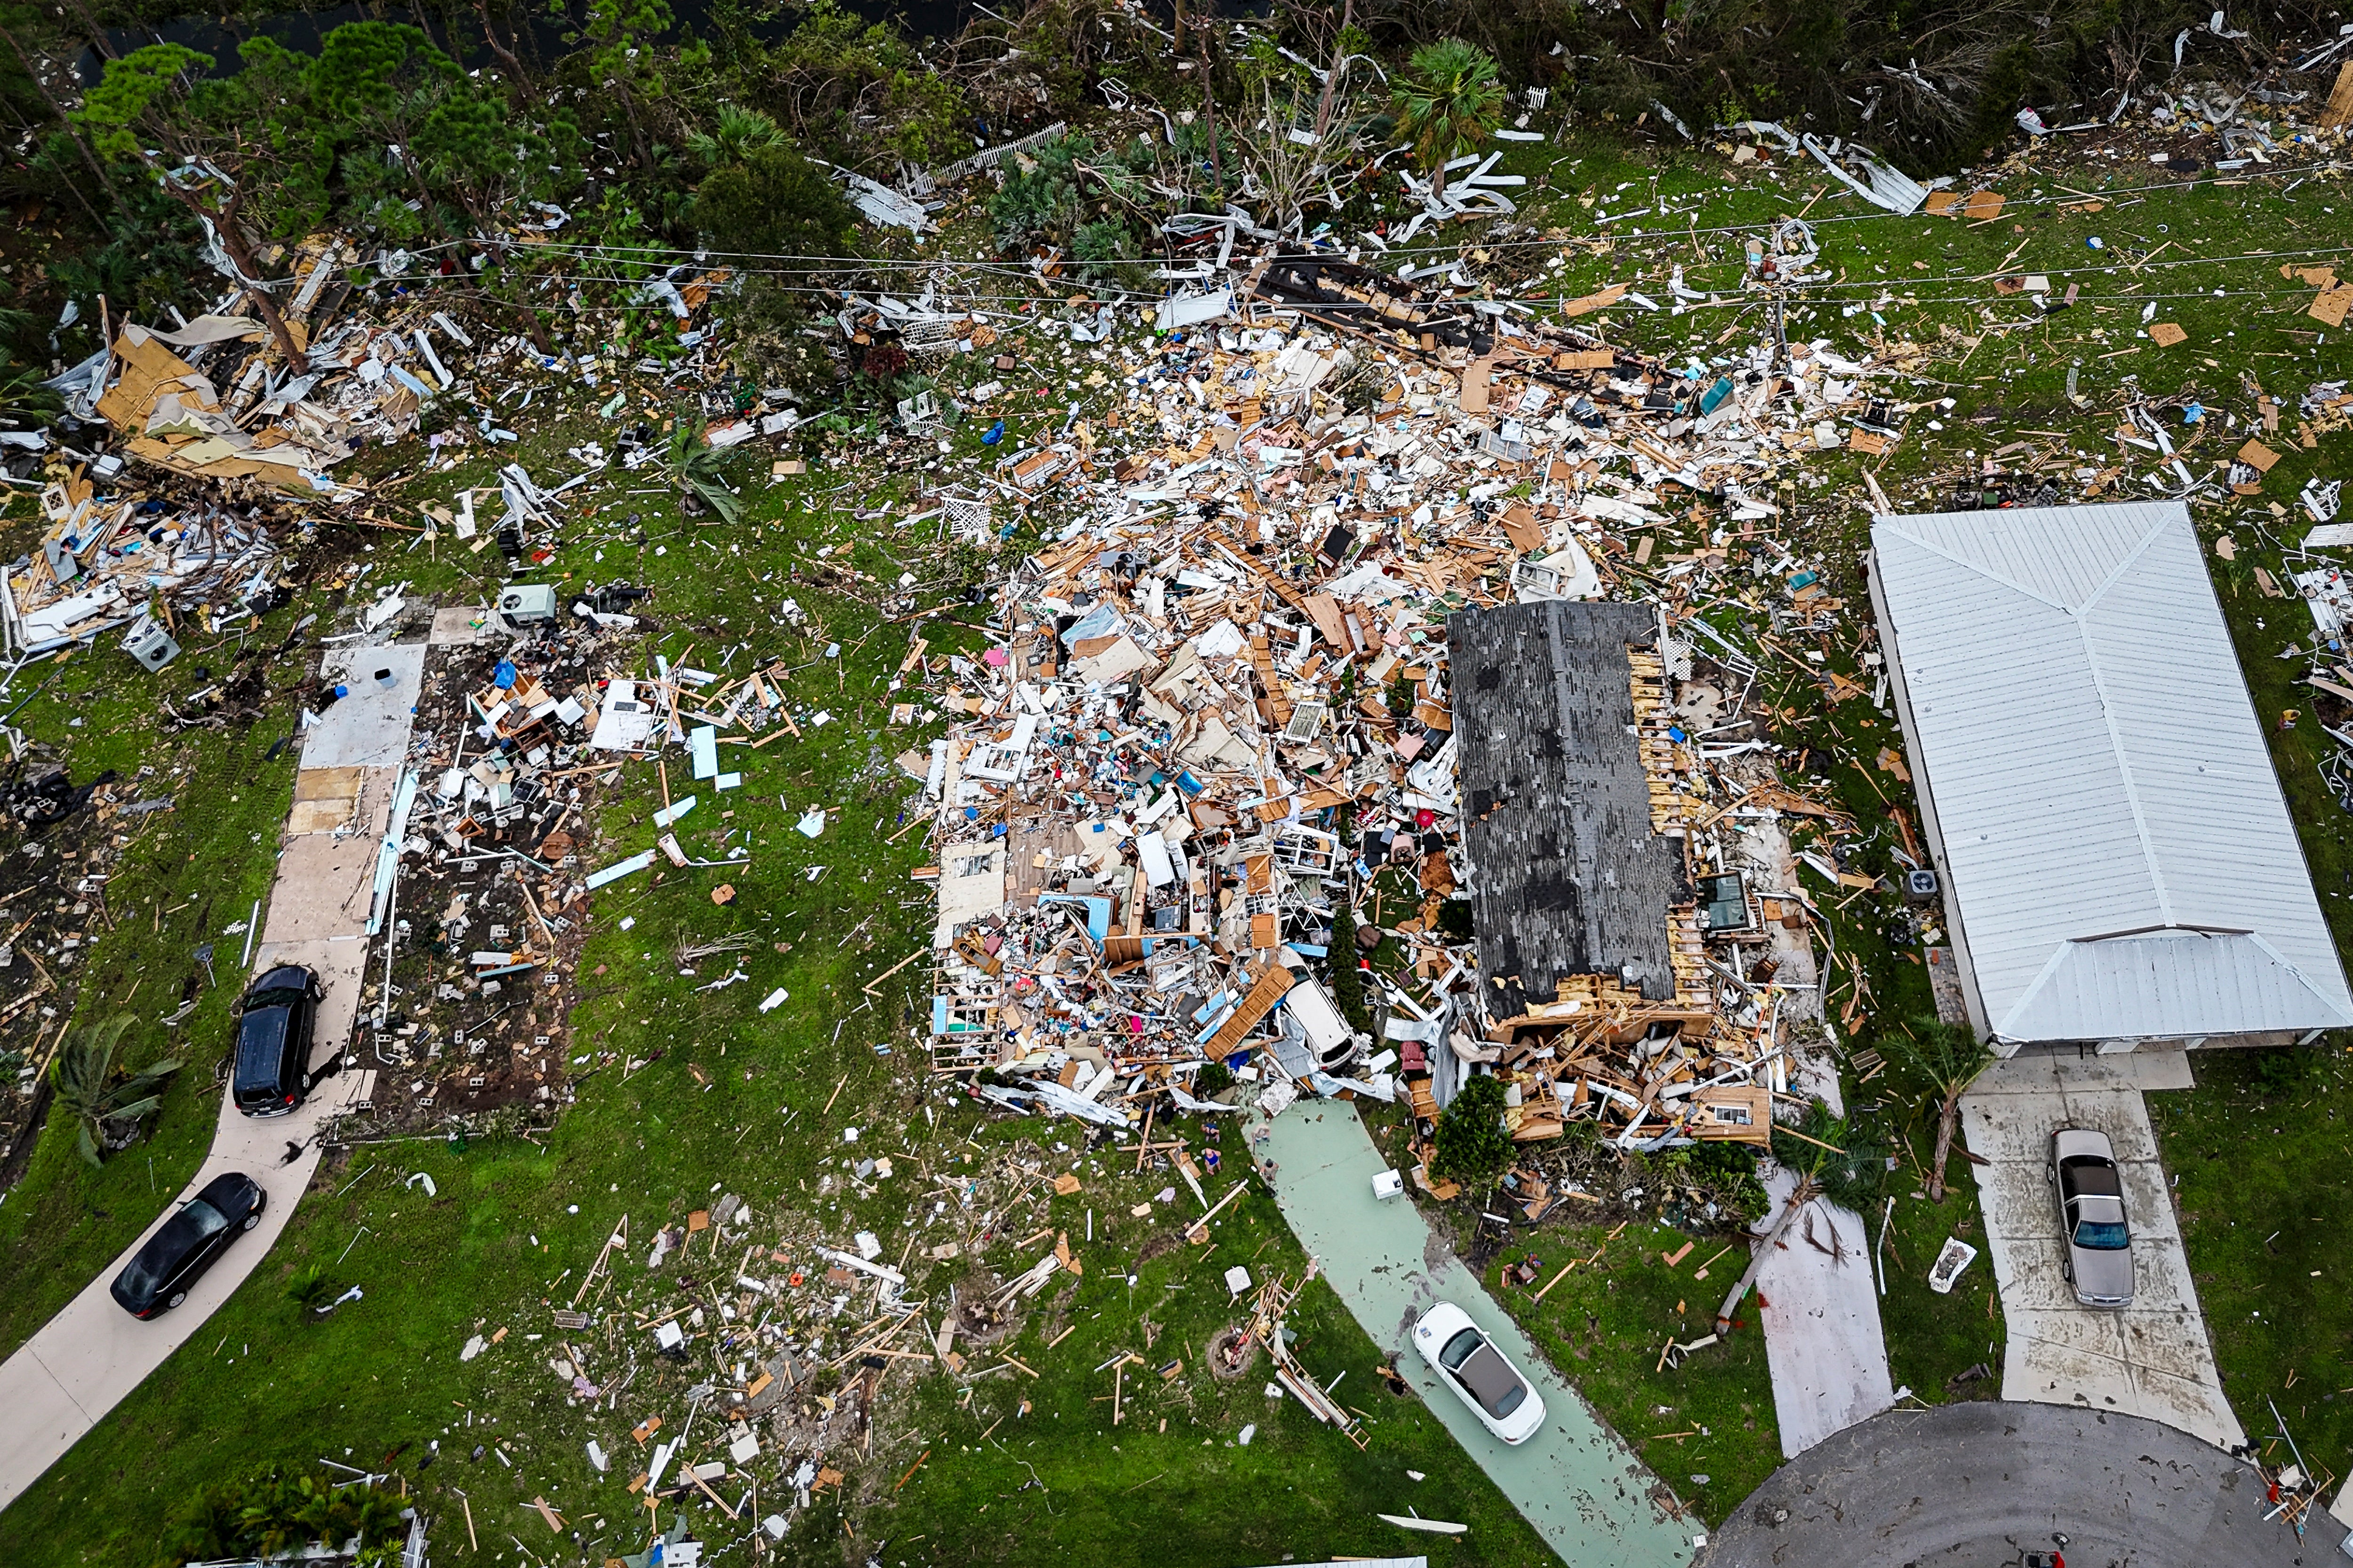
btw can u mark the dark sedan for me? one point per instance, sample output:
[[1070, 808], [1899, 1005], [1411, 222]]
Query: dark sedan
[[158, 1278]]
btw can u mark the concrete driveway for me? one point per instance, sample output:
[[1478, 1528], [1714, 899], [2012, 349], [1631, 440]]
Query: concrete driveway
[[1576, 1481], [1970, 1484], [2152, 1359], [88, 1358], [1820, 1312]]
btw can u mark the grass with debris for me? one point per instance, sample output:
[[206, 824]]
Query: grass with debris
[[1706, 1425], [379, 1380], [707, 1092], [151, 892]]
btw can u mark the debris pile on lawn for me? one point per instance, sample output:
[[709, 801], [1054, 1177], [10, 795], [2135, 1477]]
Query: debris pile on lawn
[[479, 877], [107, 561], [1211, 770], [740, 1359]]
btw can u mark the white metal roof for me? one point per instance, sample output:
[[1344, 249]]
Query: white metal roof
[[2115, 840]]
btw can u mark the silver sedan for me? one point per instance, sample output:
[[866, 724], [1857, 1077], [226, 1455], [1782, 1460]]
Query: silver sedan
[[2091, 1196]]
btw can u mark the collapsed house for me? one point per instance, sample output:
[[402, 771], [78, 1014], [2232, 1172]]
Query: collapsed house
[[1582, 903], [1239, 691], [2119, 864]]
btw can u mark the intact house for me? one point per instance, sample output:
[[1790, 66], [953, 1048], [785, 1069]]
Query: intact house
[[2117, 861]]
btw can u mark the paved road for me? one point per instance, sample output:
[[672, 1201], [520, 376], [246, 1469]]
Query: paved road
[[87, 1359], [1582, 1489], [1966, 1486], [2152, 1359]]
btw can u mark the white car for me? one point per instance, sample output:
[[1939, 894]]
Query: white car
[[1464, 1356]]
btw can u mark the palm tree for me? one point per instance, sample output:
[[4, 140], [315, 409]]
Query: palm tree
[[1447, 100], [84, 1078], [310, 1290], [1941, 1060], [735, 136], [696, 467]]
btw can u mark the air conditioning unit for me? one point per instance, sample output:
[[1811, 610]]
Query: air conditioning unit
[[150, 644], [528, 602]]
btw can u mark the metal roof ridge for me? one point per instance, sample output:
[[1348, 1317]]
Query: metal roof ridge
[[1896, 527], [2345, 1019]]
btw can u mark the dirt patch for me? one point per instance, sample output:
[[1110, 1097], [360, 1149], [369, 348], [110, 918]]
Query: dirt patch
[[491, 909], [1230, 1356]]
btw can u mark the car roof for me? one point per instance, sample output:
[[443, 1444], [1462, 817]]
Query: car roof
[[260, 1046], [2092, 1180], [1489, 1376]]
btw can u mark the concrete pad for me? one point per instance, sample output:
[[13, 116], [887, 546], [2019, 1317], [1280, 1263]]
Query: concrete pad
[[2157, 1071], [2076, 1329], [1586, 1494], [2017, 1201], [2006, 1121], [458, 624], [370, 727], [2152, 1359], [2030, 1271], [341, 964], [325, 886], [1820, 1318]]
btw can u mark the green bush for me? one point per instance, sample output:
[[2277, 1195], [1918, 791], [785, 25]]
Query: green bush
[[1851, 1171], [1212, 1080], [1473, 1146], [1347, 983], [1104, 250], [275, 1513]]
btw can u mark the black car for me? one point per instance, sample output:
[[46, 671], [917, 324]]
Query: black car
[[176, 1256], [273, 1041]]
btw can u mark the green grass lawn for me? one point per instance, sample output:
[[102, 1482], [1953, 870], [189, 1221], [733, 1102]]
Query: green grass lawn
[[1706, 1425], [381, 1377], [2264, 1170]]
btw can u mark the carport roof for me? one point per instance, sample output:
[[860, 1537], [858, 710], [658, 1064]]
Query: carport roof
[[2116, 842]]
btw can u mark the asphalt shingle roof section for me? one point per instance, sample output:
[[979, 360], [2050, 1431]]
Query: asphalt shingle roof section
[[1568, 877], [2119, 855]]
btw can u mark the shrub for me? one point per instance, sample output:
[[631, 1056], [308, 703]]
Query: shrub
[[1473, 1146]]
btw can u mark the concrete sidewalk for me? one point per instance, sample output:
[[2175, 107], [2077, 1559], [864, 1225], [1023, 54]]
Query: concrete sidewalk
[[88, 1358], [1820, 1319], [1587, 1494], [2152, 1359]]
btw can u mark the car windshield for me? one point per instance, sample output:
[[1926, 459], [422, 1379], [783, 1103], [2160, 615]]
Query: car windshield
[[2101, 1235], [1457, 1349]]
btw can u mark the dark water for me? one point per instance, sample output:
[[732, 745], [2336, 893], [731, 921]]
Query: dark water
[[539, 41]]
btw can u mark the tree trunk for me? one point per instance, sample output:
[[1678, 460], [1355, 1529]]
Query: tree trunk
[[1949, 1118], [519, 79], [1331, 74], [73, 132], [233, 240], [636, 130], [1209, 116]]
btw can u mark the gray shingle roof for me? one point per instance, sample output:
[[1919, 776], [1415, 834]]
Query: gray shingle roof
[[1568, 877]]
